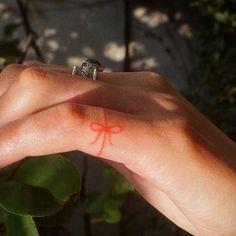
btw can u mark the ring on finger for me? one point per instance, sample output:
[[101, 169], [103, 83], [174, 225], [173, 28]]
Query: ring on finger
[[89, 69]]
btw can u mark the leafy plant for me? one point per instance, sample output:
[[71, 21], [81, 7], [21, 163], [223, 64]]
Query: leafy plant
[[212, 85], [44, 191], [105, 206], [37, 187]]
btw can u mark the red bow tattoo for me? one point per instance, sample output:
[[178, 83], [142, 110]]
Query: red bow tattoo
[[105, 131]]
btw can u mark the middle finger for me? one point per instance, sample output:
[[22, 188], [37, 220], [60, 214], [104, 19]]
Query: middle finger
[[143, 80], [36, 90]]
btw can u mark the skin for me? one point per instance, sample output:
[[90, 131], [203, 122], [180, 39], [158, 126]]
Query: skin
[[138, 123]]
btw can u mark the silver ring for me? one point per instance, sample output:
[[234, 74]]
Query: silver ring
[[90, 68], [74, 70]]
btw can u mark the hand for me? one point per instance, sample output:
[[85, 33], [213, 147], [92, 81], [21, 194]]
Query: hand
[[138, 123]]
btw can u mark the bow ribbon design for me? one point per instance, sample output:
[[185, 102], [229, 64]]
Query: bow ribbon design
[[105, 132]]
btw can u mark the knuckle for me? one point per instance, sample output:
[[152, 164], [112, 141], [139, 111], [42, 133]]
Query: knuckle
[[31, 63], [70, 116], [26, 76], [163, 81], [31, 75], [155, 80], [31, 72], [151, 75], [10, 68], [148, 80]]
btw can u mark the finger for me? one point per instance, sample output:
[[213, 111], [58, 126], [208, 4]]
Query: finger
[[146, 80], [69, 126], [134, 79], [8, 76], [66, 127], [50, 67], [36, 90], [12, 72]]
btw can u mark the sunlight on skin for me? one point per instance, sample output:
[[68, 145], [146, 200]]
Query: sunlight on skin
[[166, 101]]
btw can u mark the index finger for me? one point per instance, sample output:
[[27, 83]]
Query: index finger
[[68, 126]]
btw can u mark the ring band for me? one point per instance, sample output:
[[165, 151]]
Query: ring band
[[74, 70], [90, 68], [95, 73]]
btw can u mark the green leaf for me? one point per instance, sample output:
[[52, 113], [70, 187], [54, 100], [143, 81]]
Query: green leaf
[[20, 225], [21, 199], [104, 206], [112, 212], [94, 202], [54, 172], [222, 16], [117, 183]]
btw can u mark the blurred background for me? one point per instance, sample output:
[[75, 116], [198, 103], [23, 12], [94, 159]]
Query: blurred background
[[192, 43]]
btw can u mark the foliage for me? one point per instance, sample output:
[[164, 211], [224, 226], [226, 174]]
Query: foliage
[[20, 225], [37, 187], [105, 205], [45, 172], [212, 86], [43, 191]]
